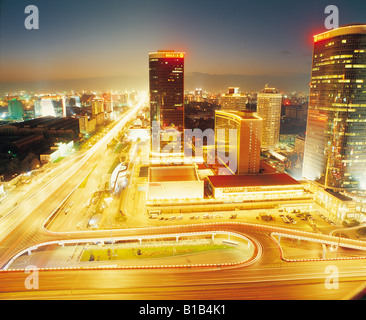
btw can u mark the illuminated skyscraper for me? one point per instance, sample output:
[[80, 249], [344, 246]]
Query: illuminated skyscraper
[[335, 147], [238, 140], [48, 108], [15, 109], [234, 100], [37, 108], [97, 106], [198, 95], [269, 102], [166, 75]]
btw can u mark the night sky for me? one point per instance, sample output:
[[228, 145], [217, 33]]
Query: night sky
[[106, 43]]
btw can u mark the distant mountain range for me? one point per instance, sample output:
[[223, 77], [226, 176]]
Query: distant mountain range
[[208, 82]]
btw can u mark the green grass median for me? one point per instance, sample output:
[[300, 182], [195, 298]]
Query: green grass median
[[58, 159], [145, 252], [85, 181]]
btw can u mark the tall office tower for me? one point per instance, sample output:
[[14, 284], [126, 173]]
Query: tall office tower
[[97, 106], [335, 147], [65, 105], [55, 106], [238, 140], [48, 108], [37, 108], [15, 109], [269, 102], [58, 107], [198, 95], [234, 100], [166, 75], [133, 96], [75, 101]]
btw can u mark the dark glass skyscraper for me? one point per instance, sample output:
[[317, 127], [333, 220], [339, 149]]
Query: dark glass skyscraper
[[335, 147], [167, 88], [166, 78]]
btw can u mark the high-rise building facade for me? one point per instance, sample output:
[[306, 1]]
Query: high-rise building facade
[[238, 140], [48, 107], [97, 106], [234, 100], [269, 102], [15, 109], [166, 84], [198, 96], [37, 108], [55, 106], [335, 146]]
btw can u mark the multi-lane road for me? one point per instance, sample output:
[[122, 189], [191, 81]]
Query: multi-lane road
[[24, 224], [268, 278]]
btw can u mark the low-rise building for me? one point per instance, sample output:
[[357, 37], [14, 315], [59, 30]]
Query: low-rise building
[[55, 152], [174, 183], [87, 125], [67, 128], [338, 205], [258, 187]]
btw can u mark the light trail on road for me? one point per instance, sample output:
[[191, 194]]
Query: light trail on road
[[269, 272]]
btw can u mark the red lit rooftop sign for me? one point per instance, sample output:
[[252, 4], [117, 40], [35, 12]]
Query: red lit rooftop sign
[[322, 36]]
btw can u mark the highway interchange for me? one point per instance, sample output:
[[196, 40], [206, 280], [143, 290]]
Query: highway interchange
[[268, 277]]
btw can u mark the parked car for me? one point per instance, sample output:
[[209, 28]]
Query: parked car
[[265, 216], [284, 219]]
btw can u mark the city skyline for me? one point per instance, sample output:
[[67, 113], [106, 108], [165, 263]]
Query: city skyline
[[225, 45]]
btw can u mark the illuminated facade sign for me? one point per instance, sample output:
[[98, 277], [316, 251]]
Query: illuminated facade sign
[[174, 55], [260, 193], [321, 37]]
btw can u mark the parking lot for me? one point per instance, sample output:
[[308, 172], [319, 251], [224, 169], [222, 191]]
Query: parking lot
[[308, 220]]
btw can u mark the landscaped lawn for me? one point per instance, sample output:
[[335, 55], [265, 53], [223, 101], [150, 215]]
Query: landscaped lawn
[[148, 252], [58, 159]]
